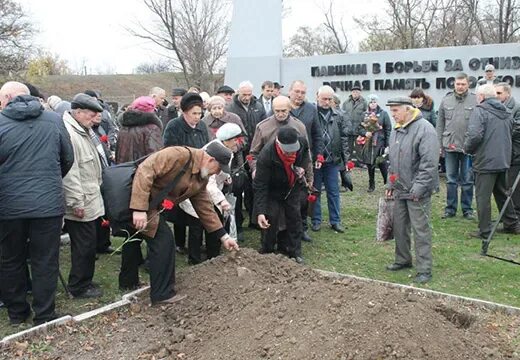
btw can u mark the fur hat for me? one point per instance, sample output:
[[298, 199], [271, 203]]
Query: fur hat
[[190, 100]]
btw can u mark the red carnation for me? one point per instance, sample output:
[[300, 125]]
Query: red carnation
[[240, 140], [351, 165], [105, 223], [393, 178], [452, 146], [249, 157], [104, 139], [167, 204], [320, 158], [312, 198]]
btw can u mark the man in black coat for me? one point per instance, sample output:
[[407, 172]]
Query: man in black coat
[[488, 139], [279, 186], [35, 153], [251, 112]]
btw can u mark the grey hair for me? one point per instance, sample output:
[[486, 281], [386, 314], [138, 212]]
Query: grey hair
[[216, 100], [487, 90], [296, 82], [505, 86], [156, 91], [325, 89], [245, 84]]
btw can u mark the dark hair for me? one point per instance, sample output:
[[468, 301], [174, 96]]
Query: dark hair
[[267, 83], [417, 93], [33, 90], [461, 76]]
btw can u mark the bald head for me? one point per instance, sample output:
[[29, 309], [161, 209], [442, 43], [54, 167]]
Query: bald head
[[10, 90], [281, 107]]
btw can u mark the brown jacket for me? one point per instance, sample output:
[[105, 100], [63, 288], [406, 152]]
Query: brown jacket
[[266, 131], [157, 171]]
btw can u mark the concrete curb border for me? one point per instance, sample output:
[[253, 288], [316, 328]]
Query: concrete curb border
[[126, 299], [457, 298]]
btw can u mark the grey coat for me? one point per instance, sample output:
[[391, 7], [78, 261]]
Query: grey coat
[[489, 137], [414, 160], [514, 108], [354, 113], [452, 123]]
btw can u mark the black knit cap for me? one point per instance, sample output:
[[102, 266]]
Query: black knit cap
[[288, 139], [190, 100]]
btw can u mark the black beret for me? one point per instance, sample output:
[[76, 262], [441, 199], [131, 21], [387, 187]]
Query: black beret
[[224, 89], [356, 87], [399, 100], [288, 139], [189, 100], [178, 92], [84, 101]]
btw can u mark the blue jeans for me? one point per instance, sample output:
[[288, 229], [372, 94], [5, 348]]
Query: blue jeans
[[328, 175], [459, 172]]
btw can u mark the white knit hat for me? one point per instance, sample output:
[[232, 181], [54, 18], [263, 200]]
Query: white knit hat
[[228, 131]]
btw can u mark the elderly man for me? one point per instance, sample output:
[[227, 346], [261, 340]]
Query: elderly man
[[489, 76], [488, 139], [335, 149], [172, 111], [266, 99], [251, 112], [83, 200], [354, 109], [153, 175], [35, 153], [159, 97], [452, 122], [226, 93], [279, 186], [503, 91], [413, 179]]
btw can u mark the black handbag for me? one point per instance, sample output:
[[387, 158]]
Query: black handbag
[[117, 192]]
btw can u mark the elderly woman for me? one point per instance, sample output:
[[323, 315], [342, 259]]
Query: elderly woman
[[374, 134], [217, 116]]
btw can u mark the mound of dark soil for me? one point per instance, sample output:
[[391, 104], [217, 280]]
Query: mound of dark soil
[[251, 306]]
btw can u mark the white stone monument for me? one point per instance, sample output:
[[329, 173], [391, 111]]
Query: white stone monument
[[255, 49]]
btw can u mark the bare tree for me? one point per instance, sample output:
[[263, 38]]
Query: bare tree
[[336, 30], [310, 42], [194, 33], [159, 66], [16, 33]]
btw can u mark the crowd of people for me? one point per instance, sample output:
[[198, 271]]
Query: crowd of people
[[229, 157]]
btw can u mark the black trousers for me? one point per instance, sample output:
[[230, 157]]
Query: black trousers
[[103, 236], [511, 177], [383, 167], [246, 198], [131, 258], [290, 240], [83, 241], [44, 244]]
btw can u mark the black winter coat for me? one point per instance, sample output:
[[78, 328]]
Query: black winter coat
[[337, 128], [271, 182], [250, 118], [488, 137], [514, 108], [140, 135], [307, 113], [179, 133], [35, 153]]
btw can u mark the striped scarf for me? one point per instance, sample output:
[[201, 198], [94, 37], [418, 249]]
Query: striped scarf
[[99, 147]]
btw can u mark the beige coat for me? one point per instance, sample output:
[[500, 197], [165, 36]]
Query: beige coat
[[82, 183]]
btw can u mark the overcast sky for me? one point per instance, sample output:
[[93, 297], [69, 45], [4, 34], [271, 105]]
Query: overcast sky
[[92, 33]]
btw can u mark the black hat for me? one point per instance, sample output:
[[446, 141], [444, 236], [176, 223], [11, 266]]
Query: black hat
[[178, 92], [356, 87], [34, 91], [92, 93], [189, 100], [221, 153], [399, 100], [84, 101], [224, 89], [277, 85], [288, 139]]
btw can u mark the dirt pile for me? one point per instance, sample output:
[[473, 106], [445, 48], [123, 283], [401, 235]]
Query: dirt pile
[[252, 306]]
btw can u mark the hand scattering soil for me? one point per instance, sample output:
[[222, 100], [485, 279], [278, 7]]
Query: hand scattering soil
[[251, 306]]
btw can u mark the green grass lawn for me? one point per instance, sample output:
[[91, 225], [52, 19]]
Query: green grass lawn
[[458, 266]]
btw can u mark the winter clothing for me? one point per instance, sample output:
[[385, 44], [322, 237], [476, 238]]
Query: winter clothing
[[35, 152], [178, 132], [250, 115], [428, 111], [335, 136], [144, 104], [488, 137], [214, 124], [355, 112], [380, 139], [307, 113], [452, 123], [82, 183], [514, 108], [140, 135], [84, 101]]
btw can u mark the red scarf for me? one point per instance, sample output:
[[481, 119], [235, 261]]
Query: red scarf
[[288, 162]]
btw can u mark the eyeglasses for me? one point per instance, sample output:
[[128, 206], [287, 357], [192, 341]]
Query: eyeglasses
[[499, 92], [281, 110], [489, 70], [326, 98]]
